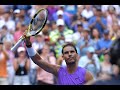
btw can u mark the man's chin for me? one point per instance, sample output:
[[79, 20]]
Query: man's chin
[[71, 63]]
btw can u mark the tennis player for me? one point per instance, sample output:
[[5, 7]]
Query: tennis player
[[69, 75]]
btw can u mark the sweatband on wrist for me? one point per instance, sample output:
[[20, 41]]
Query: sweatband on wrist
[[31, 51]]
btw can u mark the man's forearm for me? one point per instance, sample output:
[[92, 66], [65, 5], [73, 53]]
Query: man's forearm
[[41, 63]]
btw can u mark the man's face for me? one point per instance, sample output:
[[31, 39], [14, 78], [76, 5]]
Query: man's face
[[90, 54], [70, 55], [85, 33], [80, 28], [106, 36], [1, 46], [60, 28]]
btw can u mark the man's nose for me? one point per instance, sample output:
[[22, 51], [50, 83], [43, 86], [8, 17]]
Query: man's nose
[[70, 54]]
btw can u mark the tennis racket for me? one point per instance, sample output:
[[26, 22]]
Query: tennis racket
[[36, 25]]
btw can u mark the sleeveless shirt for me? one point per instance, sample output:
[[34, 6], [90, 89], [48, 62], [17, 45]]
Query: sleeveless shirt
[[76, 78], [21, 69]]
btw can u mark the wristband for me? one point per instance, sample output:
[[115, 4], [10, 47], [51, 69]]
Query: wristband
[[31, 51]]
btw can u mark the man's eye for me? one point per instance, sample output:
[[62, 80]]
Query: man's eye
[[65, 52], [72, 51]]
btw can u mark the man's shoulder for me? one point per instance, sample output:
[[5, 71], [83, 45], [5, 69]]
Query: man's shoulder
[[68, 30], [54, 32]]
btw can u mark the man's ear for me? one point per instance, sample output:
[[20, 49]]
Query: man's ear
[[78, 56], [62, 56]]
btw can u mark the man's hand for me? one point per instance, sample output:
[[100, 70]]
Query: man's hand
[[98, 19], [27, 41]]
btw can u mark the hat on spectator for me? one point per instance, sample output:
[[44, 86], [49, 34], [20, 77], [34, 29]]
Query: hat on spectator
[[60, 22], [106, 32], [98, 8], [17, 11], [20, 49], [59, 12], [86, 29], [91, 49]]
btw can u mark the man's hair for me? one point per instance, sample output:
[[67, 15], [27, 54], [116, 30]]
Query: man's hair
[[114, 52], [69, 44]]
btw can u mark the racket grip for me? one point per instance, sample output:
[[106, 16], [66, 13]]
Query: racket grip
[[14, 48]]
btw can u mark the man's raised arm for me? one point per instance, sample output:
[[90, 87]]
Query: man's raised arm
[[38, 60]]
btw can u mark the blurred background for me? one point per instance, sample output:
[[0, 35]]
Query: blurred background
[[92, 28]]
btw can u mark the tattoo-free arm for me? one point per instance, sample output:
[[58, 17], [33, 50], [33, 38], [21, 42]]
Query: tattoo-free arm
[[45, 65]]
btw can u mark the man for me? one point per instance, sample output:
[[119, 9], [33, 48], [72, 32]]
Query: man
[[98, 21], [91, 62], [79, 33], [84, 42], [58, 36], [115, 60], [104, 43], [71, 74]]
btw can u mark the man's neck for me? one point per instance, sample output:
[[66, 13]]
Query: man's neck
[[71, 68]]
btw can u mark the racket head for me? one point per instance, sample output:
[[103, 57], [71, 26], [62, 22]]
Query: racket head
[[38, 22]]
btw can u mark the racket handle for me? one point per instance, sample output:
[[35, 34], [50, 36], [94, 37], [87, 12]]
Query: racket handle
[[14, 48]]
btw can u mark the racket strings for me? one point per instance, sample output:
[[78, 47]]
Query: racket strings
[[39, 20]]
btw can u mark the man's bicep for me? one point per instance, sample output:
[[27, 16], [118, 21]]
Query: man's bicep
[[45, 65], [89, 76]]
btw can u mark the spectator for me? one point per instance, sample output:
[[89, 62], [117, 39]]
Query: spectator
[[95, 36], [98, 21], [43, 77], [90, 62], [111, 16], [87, 12], [39, 42], [8, 22], [10, 68], [104, 43], [115, 31], [51, 10], [33, 73], [21, 67], [59, 35], [5, 34], [71, 10], [84, 42], [79, 33], [3, 65], [75, 22], [114, 60], [20, 31], [106, 66], [61, 14]]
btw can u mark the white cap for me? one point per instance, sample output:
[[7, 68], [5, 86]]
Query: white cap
[[20, 49], [68, 38], [60, 22], [17, 11], [59, 12], [91, 49]]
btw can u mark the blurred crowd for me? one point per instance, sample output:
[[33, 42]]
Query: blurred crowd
[[92, 28]]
